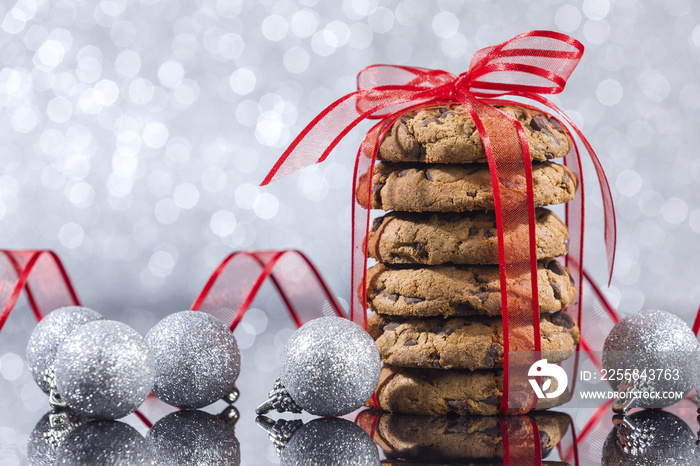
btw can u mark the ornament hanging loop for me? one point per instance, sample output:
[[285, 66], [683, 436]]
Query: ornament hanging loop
[[280, 400]]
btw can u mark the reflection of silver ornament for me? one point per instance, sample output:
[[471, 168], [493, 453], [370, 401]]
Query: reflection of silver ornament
[[650, 438], [104, 370], [48, 434], [197, 359], [104, 443], [647, 354], [330, 367], [320, 442], [194, 438], [48, 335]]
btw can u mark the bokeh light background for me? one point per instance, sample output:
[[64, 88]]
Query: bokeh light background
[[135, 134]]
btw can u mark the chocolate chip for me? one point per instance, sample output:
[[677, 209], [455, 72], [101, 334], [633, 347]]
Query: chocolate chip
[[403, 172], [445, 115], [492, 355], [493, 400], [376, 192], [377, 223], [441, 110], [427, 121], [404, 119], [538, 123], [390, 296], [404, 140], [571, 280], [493, 432], [390, 326], [473, 231], [546, 451], [445, 331], [556, 290], [413, 300], [456, 426], [556, 267], [457, 406], [549, 155], [565, 179], [420, 250], [462, 309], [428, 175], [488, 233], [482, 295], [544, 438], [563, 319], [410, 342], [556, 125]]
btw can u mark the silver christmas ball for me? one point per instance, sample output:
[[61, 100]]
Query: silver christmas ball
[[194, 438], [48, 435], [105, 443], [650, 438], [330, 366], [104, 370], [650, 352], [328, 441], [197, 359], [48, 335]]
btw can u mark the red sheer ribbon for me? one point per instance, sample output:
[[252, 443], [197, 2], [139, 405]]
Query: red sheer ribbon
[[228, 293], [534, 63], [42, 277]]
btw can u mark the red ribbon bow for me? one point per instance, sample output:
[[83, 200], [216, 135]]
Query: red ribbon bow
[[530, 64]]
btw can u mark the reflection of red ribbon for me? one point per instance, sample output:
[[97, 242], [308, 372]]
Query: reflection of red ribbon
[[530, 64]]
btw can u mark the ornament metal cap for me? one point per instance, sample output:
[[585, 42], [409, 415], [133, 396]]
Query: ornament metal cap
[[280, 400], [55, 400]]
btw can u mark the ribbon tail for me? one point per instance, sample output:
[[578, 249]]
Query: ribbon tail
[[337, 120], [610, 231], [313, 139]]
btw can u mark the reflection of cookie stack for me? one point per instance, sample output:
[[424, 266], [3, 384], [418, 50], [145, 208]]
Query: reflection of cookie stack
[[462, 439], [436, 288]]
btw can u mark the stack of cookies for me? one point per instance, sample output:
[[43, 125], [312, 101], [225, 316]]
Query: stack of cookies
[[435, 289]]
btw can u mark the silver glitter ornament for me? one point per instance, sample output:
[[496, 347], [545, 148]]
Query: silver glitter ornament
[[104, 443], [196, 358], [104, 370], [321, 442], [650, 438], [48, 335], [330, 367], [48, 435], [194, 438], [649, 353]]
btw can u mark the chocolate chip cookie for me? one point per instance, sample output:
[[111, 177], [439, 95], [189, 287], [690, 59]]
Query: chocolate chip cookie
[[436, 392], [461, 438], [456, 188], [451, 290], [447, 134], [464, 342], [459, 238]]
